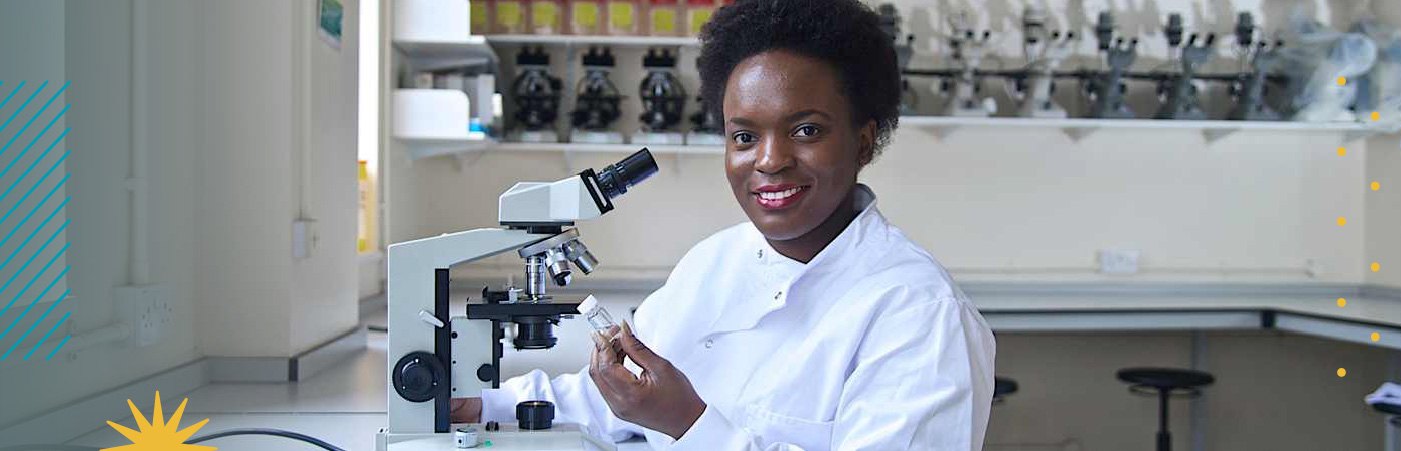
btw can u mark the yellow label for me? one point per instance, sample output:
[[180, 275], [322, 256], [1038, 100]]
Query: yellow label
[[544, 14], [620, 14], [508, 13], [698, 20], [664, 21], [586, 14], [479, 17]]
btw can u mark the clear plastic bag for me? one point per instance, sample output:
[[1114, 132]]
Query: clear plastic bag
[[1322, 66], [1379, 91]]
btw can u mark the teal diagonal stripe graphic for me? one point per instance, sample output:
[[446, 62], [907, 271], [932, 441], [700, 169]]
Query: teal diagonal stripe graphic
[[34, 225]]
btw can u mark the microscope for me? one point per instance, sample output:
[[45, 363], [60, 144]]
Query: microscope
[[439, 350], [1178, 91], [964, 86], [663, 100], [904, 49], [707, 128], [597, 104], [1106, 90], [536, 95], [1045, 51], [1251, 86]]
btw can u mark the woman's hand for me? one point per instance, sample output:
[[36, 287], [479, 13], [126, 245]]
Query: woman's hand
[[466, 410], [660, 399]]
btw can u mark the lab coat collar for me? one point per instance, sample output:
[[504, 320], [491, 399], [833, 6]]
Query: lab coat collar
[[775, 274]]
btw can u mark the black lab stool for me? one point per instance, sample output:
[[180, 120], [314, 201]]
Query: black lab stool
[[1001, 387], [1164, 383]]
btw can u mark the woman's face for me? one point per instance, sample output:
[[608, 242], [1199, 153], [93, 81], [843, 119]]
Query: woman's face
[[791, 152]]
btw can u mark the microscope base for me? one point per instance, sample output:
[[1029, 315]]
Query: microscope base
[[704, 139], [561, 437], [537, 136], [659, 138], [985, 107], [592, 137], [1053, 112]]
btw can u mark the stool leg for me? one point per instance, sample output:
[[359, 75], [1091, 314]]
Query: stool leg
[[1164, 438]]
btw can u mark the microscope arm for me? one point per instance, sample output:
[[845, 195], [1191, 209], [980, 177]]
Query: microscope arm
[[415, 286]]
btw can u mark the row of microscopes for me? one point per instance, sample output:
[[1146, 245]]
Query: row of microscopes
[[1321, 76], [536, 95]]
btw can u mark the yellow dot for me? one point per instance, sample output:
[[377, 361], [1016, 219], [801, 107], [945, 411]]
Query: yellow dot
[[1376, 336], [1376, 267], [1342, 221], [1342, 372], [1376, 186], [1342, 81], [1342, 151], [1342, 302], [1376, 116]]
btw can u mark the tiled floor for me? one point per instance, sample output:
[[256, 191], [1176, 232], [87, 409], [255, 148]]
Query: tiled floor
[[343, 405]]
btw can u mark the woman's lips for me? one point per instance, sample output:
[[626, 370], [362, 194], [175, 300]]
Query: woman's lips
[[779, 197]]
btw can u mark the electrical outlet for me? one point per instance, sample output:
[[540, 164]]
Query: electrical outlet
[[147, 311], [1118, 261], [303, 238]]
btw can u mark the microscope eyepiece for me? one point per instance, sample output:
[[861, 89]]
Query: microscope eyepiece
[[615, 179]]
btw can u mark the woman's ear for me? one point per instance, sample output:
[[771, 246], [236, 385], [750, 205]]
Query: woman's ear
[[867, 147]]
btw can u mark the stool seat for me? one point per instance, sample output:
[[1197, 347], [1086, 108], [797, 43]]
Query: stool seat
[[1389, 409], [1165, 383], [1002, 386], [1166, 378]]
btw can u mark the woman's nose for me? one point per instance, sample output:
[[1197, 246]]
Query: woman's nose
[[774, 155]]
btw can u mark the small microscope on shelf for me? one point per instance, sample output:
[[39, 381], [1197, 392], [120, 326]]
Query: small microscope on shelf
[[965, 86], [597, 106], [707, 128], [904, 50], [440, 349], [1045, 50], [663, 100], [1258, 59], [536, 94], [1107, 89], [1178, 90]]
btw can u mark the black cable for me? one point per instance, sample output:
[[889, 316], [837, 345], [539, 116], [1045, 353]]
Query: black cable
[[265, 431]]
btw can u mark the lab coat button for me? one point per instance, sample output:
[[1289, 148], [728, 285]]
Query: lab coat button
[[777, 295], [709, 343], [761, 254]]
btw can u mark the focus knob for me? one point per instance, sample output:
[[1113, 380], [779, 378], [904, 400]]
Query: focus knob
[[419, 376]]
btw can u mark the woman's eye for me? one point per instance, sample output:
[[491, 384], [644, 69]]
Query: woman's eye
[[806, 131], [743, 138]]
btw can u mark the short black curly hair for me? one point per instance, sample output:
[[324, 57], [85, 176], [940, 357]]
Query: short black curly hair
[[843, 33]]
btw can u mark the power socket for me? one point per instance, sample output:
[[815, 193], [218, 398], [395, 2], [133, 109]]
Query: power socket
[[1118, 261], [146, 310]]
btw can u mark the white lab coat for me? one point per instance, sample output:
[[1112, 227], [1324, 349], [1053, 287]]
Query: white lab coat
[[869, 346]]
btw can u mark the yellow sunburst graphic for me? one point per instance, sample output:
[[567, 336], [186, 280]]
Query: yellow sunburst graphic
[[158, 434]]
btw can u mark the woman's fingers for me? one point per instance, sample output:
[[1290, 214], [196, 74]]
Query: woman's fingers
[[639, 352]]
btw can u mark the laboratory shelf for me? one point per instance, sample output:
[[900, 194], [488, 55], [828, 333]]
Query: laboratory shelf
[[420, 148], [574, 40], [434, 55], [436, 34], [1079, 128], [607, 148]]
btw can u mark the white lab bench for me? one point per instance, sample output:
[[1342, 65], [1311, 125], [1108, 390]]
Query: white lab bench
[[1303, 309]]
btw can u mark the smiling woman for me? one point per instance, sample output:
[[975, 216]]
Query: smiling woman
[[817, 324]]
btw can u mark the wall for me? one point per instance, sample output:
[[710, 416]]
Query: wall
[[42, 24], [325, 286], [225, 97], [270, 108]]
